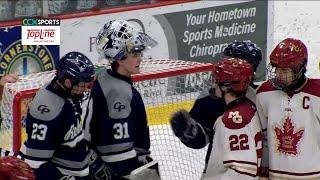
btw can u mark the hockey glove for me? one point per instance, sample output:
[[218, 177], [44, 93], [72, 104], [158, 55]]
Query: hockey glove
[[143, 155], [183, 126], [97, 168]]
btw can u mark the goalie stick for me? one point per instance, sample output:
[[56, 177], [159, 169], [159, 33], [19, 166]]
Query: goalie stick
[[149, 171]]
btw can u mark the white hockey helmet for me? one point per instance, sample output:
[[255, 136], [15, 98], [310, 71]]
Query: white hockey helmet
[[118, 38]]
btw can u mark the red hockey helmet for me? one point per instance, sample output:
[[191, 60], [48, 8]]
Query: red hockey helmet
[[13, 168], [289, 53], [233, 73]]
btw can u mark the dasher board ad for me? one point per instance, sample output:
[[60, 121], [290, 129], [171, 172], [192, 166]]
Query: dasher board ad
[[195, 31], [201, 35], [24, 59]]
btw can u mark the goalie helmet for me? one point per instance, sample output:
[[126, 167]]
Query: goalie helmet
[[245, 50], [233, 73], [13, 168], [118, 38], [75, 66], [289, 53]]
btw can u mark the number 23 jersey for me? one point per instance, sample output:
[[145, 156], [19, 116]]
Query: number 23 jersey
[[237, 143]]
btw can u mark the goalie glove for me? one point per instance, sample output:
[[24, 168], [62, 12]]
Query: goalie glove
[[183, 126], [14, 168], [98, 169]]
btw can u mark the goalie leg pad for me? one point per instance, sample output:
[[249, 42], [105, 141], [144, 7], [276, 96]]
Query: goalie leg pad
[[149, 171]]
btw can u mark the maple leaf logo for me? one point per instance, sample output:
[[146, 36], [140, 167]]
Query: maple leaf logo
[[288, 139]]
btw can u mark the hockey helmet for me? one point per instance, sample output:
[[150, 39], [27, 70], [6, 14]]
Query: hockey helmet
[[245, 50], [118, 38], [289, 53], [233, 73], [75, 66]]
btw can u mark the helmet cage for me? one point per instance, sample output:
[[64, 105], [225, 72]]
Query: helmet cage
[[281, 84], [289, 53]]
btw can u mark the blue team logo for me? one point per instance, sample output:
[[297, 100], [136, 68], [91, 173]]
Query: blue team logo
[[119, 106], [16, 58]]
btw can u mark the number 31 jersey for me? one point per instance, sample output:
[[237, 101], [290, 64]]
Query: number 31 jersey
[[237, 143]]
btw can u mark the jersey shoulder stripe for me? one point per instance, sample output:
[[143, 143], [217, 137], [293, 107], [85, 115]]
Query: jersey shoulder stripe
[[312, 87], [265, 87]]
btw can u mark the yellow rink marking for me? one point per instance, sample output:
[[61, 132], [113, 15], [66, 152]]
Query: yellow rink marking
[[161, 114], [157, 115]]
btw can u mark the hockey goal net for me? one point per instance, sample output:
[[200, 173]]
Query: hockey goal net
[[165, 85]]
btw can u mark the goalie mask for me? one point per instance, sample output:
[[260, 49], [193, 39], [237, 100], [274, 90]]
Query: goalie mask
[[288, 62], [245, 50], [119, 38], [233, 73]]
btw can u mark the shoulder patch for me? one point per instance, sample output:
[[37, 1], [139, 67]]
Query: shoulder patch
[[239, 116], [46, 105], [118, 94], [265, 87], [312, 87]]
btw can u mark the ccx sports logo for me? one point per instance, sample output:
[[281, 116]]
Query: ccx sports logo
[[40, 32]]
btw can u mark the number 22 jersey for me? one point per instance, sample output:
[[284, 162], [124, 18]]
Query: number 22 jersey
[[237, 143]]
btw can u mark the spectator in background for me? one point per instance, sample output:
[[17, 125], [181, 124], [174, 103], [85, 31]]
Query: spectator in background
[[86, 4], [28, 8], [6, 10], [113, 2], [57, 6]]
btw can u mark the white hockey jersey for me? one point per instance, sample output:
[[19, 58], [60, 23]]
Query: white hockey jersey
[[292, 126], [251, 94], [237, 144]]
